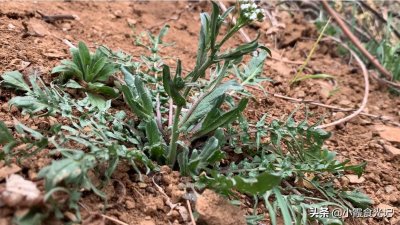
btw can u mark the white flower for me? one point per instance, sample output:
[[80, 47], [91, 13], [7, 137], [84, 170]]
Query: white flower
[[250, 11], [244, 6]]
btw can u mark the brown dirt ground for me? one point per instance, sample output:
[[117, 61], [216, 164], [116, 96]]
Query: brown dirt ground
[[27, 42]]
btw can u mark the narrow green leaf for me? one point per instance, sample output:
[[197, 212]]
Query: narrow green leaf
[[282, 204], [208, 102], [170, 88], [133, 104], [144, 96], [5, 134], [84, 55], [214, 24], [214, 123]]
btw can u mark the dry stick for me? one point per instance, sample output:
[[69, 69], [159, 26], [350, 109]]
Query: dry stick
[[114, 220], [355, 41], [104, 216], [53, 18], [335, 108], [366, 92], [190, 212]]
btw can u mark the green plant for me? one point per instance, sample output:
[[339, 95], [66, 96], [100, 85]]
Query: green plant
[[90, 70], [181, 118], [296, 151], [204, 114], [109, 141]]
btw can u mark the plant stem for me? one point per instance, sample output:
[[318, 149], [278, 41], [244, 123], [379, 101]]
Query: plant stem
[[300, 71], [229, 34], [174, 138]]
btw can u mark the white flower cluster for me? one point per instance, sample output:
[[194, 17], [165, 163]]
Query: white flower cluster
[[250, 10]]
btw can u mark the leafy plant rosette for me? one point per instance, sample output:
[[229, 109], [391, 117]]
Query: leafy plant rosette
[[90, 71]]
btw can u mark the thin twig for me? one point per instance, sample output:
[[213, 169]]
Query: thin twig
[[334, 108], [113, 219], [102, 215], [53, 18], [190, 212], [366, 89], [355, 41]]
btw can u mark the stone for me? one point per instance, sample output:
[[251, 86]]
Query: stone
[[215, 210], [10, 26], [130, 204], [8, 170], [345, 102], [391, 134], [66, 26], [354, 179], [117, 13], [301, 94], [339, 115], [392, 151], [390, 188], [38, 28], [147, 222], [131, 21], [142, 185]]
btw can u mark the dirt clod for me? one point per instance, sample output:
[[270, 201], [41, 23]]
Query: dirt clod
[[391, 134], [215, 210], [392, 151]]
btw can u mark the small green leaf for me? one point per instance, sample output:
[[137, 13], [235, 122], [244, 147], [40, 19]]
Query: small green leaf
[[5, 134], [214, 122], [15, 79], [208, 102], [170, 88], [97, 100], [73, 84], [100, 88], [259, 184]]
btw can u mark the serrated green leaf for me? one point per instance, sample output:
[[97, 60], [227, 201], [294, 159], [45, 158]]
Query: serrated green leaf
[[358, 198], [259, 184], [16, 80]]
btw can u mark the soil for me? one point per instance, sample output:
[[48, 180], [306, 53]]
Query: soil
[[28, 43]]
